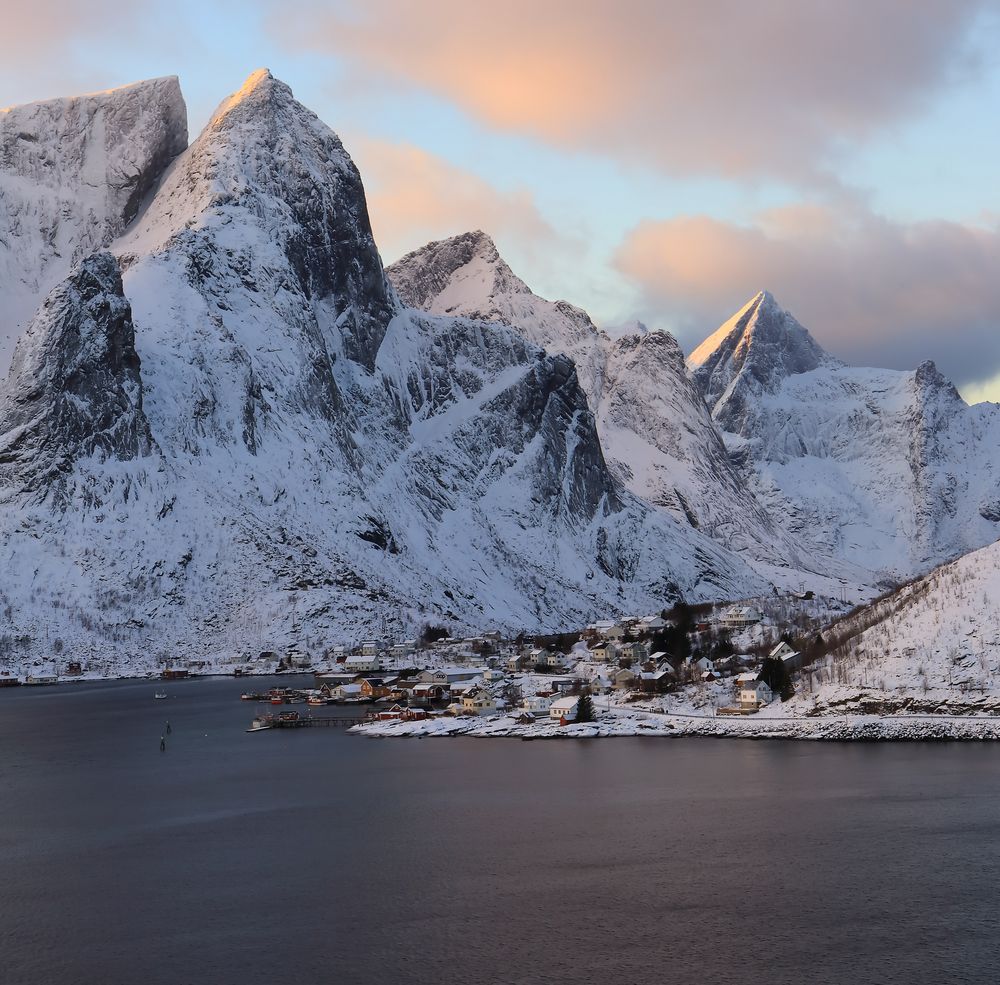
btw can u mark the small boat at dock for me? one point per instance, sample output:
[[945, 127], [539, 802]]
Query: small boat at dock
[[159, 695]]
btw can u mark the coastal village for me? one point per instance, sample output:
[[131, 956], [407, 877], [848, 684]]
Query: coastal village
[[714, 661]]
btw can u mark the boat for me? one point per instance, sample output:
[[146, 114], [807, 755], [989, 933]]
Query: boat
[[159, 695], [259, 725]]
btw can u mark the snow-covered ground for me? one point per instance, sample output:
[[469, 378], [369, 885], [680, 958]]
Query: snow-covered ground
[[835, 728]]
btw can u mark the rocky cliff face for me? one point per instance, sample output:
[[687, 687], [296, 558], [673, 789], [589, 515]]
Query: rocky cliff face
[[657, 435], [73, 173], [328, 463], [74, 389]]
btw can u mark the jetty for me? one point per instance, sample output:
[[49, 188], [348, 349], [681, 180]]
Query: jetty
[[295, 720]]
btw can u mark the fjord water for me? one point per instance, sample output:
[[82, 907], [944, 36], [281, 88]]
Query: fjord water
[[317, 856]]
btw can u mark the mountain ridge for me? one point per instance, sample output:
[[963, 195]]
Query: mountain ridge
[[329, 464]]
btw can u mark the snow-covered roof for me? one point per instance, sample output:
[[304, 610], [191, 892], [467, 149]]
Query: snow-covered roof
[[564, 704]]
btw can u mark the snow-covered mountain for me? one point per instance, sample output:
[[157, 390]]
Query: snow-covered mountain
[[227, 433], [890, 470], [658, 436], [73, 173]]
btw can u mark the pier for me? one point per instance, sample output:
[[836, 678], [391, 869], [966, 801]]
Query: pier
[[294, 720]]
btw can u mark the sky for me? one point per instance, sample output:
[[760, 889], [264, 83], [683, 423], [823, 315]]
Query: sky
[[660, 160]]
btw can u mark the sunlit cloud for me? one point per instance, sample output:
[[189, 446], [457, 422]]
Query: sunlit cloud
[[415, 196], [763, 89], [872, 291]]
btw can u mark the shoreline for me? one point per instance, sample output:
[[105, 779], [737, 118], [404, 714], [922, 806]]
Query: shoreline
[[839, 728]]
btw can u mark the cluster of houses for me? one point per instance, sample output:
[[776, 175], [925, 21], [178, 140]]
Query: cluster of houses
[[490, 676], [454, 690]]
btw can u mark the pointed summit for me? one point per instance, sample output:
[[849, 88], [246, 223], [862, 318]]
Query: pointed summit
[[757, 348], [259, 88], [268, 166], [459, 275]]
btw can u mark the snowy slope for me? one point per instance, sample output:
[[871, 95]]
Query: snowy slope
[[73, 173], [889, 470], [288, 457], [657, 434], [932, 646]]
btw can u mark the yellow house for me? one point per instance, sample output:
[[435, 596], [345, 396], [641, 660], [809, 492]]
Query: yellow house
[[478, 702]]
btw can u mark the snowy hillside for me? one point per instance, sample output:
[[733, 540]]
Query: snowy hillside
[[932, 646], [229, 435], [73, 173], [658, 437], [889, 470]]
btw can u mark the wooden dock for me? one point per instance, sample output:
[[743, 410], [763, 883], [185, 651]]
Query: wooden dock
[[308, 721]]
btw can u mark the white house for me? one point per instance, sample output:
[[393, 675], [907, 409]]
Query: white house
[[652, 623], [740, 617], [601, 684], [541, 657], [362, 664], [564, 709], [754, 695], [537, 703], [792, 659], [347, 692], [369, 648], [405, 649]]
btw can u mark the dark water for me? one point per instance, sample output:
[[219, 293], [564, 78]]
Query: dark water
[[315, 856]]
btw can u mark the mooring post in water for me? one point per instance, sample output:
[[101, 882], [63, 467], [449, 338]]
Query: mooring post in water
[[168, 728], [163, 744]]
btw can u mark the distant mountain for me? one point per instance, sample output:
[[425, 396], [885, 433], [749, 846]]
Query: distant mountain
[[657, 434], [226, 433], [889, 470]]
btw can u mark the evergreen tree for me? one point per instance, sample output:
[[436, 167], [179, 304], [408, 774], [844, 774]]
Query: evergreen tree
[[584, 709], [775, 674]]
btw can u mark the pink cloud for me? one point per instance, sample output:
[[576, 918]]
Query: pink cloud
[[872, 291], [415, 196], [736, 88]]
